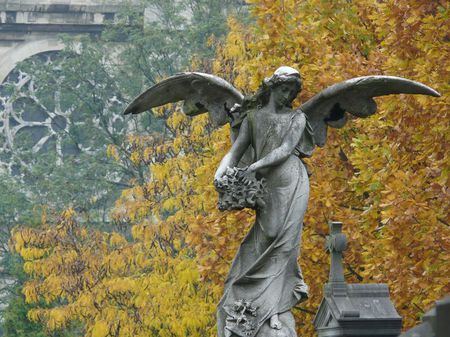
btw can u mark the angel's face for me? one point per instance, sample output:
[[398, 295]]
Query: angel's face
[[283, 94]]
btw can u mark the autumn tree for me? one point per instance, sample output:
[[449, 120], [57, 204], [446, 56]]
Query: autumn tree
[[385, 177], [91, 80]]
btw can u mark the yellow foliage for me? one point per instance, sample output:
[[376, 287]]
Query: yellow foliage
[[56, 318], [117, 240], [34, 315], [30, 292], [112, 152], [100, 329], [385, 177]]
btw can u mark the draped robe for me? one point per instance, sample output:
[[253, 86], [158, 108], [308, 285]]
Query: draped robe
[[265, 278]]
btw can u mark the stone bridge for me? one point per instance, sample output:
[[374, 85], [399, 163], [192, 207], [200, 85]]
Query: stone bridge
[[30, 27]]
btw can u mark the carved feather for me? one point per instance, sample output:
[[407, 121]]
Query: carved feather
[[329, 107], [200, 92]]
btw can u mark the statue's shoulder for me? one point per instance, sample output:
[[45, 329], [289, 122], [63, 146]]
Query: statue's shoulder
[[299, 116], [300, 112], [239, 113]]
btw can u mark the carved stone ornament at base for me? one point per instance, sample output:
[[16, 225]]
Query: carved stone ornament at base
[[287, 328], [265, 280], [241, 317]]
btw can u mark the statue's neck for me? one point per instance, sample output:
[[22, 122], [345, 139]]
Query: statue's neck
[[273, 107]]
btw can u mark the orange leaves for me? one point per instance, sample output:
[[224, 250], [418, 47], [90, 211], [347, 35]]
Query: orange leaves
[[391, 190]]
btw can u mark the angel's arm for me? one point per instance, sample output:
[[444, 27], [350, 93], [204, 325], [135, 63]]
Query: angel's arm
[[283, 152], [231, 159]]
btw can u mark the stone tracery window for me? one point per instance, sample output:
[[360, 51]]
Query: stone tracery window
[[50, 124]]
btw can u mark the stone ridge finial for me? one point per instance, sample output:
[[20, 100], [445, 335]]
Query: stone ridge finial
[[336, 245]]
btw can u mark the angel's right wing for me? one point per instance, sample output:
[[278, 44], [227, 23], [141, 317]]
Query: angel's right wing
[[200, 92]]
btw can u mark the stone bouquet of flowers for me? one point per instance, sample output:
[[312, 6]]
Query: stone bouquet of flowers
[[238, 190]]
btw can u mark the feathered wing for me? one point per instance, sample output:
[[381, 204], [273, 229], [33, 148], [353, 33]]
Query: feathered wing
[[200, 92], [354, 96]]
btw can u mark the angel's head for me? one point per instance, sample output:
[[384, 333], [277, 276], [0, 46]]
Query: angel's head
[[282, 87]]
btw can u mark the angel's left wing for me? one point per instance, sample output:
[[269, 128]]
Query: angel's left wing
[[329, 107], [200, 92]]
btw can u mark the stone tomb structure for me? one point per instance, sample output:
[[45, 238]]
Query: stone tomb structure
[[353, 309]]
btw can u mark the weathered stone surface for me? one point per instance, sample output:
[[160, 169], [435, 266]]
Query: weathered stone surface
[[54, 6], [238, 191]]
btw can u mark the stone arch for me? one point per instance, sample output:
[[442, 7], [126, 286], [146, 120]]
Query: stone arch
[[24, 50]]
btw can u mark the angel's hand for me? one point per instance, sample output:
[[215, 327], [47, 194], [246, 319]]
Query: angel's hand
[[220, 173], [247, 173], [252, 168]]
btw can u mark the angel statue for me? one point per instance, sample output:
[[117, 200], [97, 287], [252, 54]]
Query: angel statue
[[265, 281]]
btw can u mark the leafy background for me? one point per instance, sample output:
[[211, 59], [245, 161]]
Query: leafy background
[[157, 267]]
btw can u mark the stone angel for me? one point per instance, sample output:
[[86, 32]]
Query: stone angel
[[265, 281]]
